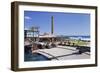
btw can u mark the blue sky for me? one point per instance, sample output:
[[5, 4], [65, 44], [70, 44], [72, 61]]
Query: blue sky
[[64, 23]]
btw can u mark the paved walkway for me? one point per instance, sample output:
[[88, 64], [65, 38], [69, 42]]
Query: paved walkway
[[62, 53]]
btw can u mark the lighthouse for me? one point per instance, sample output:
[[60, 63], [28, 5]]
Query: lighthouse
[[52, 25], [52, 28]]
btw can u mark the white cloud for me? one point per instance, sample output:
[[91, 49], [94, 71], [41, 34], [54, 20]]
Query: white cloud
[[27, 17]]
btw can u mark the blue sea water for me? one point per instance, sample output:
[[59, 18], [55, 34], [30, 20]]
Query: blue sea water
[[29, 56], [80, 37], [35, 57]]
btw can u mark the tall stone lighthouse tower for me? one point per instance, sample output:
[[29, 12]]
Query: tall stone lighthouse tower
[[52, 25], [52, 28]]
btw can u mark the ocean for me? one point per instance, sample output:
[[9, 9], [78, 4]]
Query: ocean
[[80, 37]]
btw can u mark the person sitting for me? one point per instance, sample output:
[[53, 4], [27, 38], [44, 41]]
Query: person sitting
[[64, 43], [60, 43], [34, 46], [39, 46], [69, 43], [47, 45], [53, 45]]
